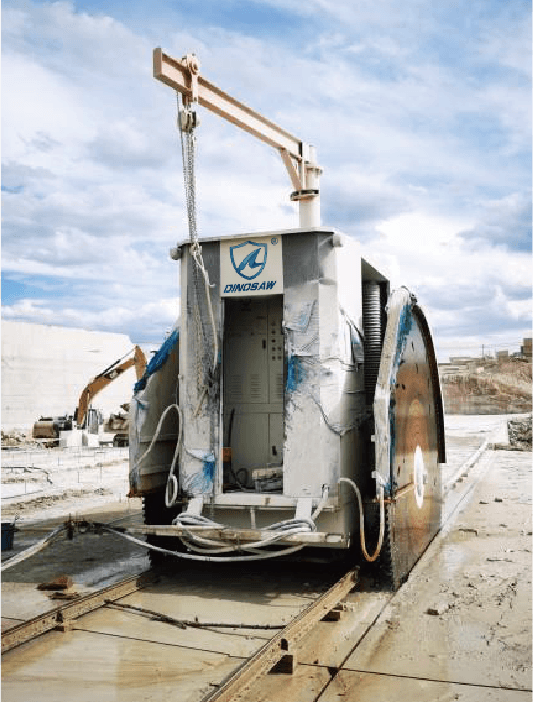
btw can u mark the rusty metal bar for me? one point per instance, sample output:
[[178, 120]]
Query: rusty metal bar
[[59, 616], [284, 643], [402, 492]]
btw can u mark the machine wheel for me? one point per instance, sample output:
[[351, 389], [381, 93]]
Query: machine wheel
[[156, 512], [409, 430]]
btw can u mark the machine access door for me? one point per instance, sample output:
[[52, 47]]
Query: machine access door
[[253, 359]]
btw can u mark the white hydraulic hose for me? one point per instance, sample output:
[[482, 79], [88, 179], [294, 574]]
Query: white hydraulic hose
[[172, 493], [196, 542], [171, 489], [374, 556], [214, 559], [157, 431]]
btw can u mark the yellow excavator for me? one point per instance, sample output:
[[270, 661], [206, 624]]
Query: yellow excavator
[[103, 379], [84, 416]]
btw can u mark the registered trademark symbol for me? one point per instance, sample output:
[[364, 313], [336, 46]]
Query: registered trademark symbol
[[274, 240]]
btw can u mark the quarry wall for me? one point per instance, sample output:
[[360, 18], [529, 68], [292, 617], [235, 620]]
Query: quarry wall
[[45, 368]]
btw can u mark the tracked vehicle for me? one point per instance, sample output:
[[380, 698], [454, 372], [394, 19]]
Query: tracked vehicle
[[297, 406]]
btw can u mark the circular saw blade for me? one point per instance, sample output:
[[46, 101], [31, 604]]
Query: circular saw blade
[[409, 432]]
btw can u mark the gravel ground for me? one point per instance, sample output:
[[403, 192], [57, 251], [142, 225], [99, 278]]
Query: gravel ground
[[40, 484]]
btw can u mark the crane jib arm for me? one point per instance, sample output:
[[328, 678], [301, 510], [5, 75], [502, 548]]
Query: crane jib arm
[[299, 158], [177, 75]]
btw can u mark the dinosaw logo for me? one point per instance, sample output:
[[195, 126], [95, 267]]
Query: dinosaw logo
[[251, 266], [248, 259]]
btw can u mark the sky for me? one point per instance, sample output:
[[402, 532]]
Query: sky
[[420, 113]]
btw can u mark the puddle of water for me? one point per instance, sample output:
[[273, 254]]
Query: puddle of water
[[109, 573]]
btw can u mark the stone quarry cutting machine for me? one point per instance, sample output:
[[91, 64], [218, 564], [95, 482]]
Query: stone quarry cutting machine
[[298, 405]]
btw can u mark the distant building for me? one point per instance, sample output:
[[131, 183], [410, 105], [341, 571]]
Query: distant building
[[526, 348]]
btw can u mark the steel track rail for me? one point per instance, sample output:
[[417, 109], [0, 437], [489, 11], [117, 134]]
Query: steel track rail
[[60, 617], [282, 647], [239, 682]]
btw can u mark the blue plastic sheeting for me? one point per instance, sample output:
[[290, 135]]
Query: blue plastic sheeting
[[158, 360], [295, 373], [201, 482]]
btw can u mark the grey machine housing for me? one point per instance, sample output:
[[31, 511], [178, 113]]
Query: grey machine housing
[[268, 427]]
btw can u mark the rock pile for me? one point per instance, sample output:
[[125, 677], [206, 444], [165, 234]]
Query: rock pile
[[519, 431], [16, 439]]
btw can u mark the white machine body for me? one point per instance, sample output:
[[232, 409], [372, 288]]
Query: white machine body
[[269, 432]]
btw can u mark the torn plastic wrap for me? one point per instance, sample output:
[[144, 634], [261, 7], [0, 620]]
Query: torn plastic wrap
[[311, 375], [316, 376], [159, 359], [199, 482], [200, 390], [153, 394], [137, 415]]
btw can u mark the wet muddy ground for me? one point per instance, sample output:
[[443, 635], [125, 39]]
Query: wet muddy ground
[[476, 577]]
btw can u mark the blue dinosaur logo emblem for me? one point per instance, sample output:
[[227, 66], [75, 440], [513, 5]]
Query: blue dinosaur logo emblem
[[248, 259]]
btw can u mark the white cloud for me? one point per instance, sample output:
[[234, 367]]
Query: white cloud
[[94, 175], [146, 322]]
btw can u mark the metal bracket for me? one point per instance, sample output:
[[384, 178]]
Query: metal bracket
[[187, 120], [304, 508], [191, 63]]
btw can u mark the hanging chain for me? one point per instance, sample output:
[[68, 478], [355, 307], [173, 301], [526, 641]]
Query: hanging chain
[[187, 123]]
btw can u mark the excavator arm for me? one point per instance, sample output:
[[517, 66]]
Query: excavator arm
[[107, 376]]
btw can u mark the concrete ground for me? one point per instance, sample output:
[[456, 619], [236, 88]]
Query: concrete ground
[[476, 576], [460, 628]]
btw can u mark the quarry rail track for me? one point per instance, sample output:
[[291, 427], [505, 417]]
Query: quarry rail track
[[305, 632], [61, 617]]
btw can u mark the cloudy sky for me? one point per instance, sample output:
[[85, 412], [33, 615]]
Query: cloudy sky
[[420, 112]]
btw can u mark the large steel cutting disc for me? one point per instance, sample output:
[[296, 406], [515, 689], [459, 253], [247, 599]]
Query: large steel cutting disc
[[409, 432]]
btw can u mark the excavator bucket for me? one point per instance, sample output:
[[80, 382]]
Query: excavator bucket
[[409, 436]]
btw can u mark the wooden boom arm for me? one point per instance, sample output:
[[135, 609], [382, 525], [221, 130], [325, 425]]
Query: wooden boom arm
[[298, 157]]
